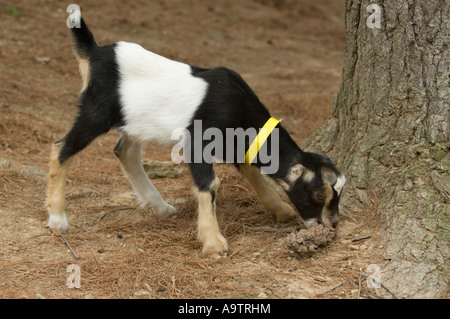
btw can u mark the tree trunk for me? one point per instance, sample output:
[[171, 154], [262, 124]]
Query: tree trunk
[[389, 133]]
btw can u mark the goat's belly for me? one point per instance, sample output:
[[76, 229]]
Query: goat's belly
[[154, 132]]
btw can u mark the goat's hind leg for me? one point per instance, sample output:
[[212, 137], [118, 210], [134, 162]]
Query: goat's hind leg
[[56, 202], [63, 151], [129, 153], [85, 129]]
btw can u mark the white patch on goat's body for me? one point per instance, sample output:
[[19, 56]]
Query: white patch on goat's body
[[339, 184], [158, 95]]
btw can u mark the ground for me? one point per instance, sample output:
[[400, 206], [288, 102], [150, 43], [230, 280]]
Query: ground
[[290, 52]]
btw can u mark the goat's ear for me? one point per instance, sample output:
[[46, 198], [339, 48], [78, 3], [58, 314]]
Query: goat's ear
[[295, 172], [329, 176]]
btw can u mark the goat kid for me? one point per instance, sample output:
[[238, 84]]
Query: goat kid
[[146, 97]]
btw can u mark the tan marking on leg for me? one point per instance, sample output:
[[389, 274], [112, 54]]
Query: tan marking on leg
[[265, 189], [85, 71], [56, 202], [214, 243]]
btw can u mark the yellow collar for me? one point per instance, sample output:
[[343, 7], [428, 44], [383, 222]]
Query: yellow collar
[[260, 139]]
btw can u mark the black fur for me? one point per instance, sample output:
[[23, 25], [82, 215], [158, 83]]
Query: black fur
[[84, 41], [99, 106], [231, 103]]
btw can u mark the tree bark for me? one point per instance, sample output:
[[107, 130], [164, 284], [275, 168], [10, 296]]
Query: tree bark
[[389, 132]]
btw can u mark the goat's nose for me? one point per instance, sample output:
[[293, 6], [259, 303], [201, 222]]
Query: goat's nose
[[335, 224]]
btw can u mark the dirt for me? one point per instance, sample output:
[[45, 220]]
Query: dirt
[[291, 54]]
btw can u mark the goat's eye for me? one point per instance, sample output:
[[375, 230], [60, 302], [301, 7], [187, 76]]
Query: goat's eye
[[319, 196]]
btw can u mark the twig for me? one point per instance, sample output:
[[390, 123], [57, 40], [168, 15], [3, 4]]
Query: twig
[[361, 237], [359, 283], [274, 229], [330, 289], [382, 285], [70, 247], [236, 251], [387, 289], [114, 211], [372, 296], [240, 187], [177, 291]]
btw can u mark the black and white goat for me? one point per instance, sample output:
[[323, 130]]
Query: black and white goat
[[146, 96]]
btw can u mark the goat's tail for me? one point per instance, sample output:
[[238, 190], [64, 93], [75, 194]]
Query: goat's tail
[[84, 41]]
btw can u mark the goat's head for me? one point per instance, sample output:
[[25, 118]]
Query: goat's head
[[315, 187]]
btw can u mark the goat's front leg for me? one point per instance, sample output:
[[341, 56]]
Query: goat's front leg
[[206, 186], [267, 195], [129, 153]]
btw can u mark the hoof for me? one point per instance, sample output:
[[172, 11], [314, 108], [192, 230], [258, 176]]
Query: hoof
[[167, 212], [58, 223], [216, 248]]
